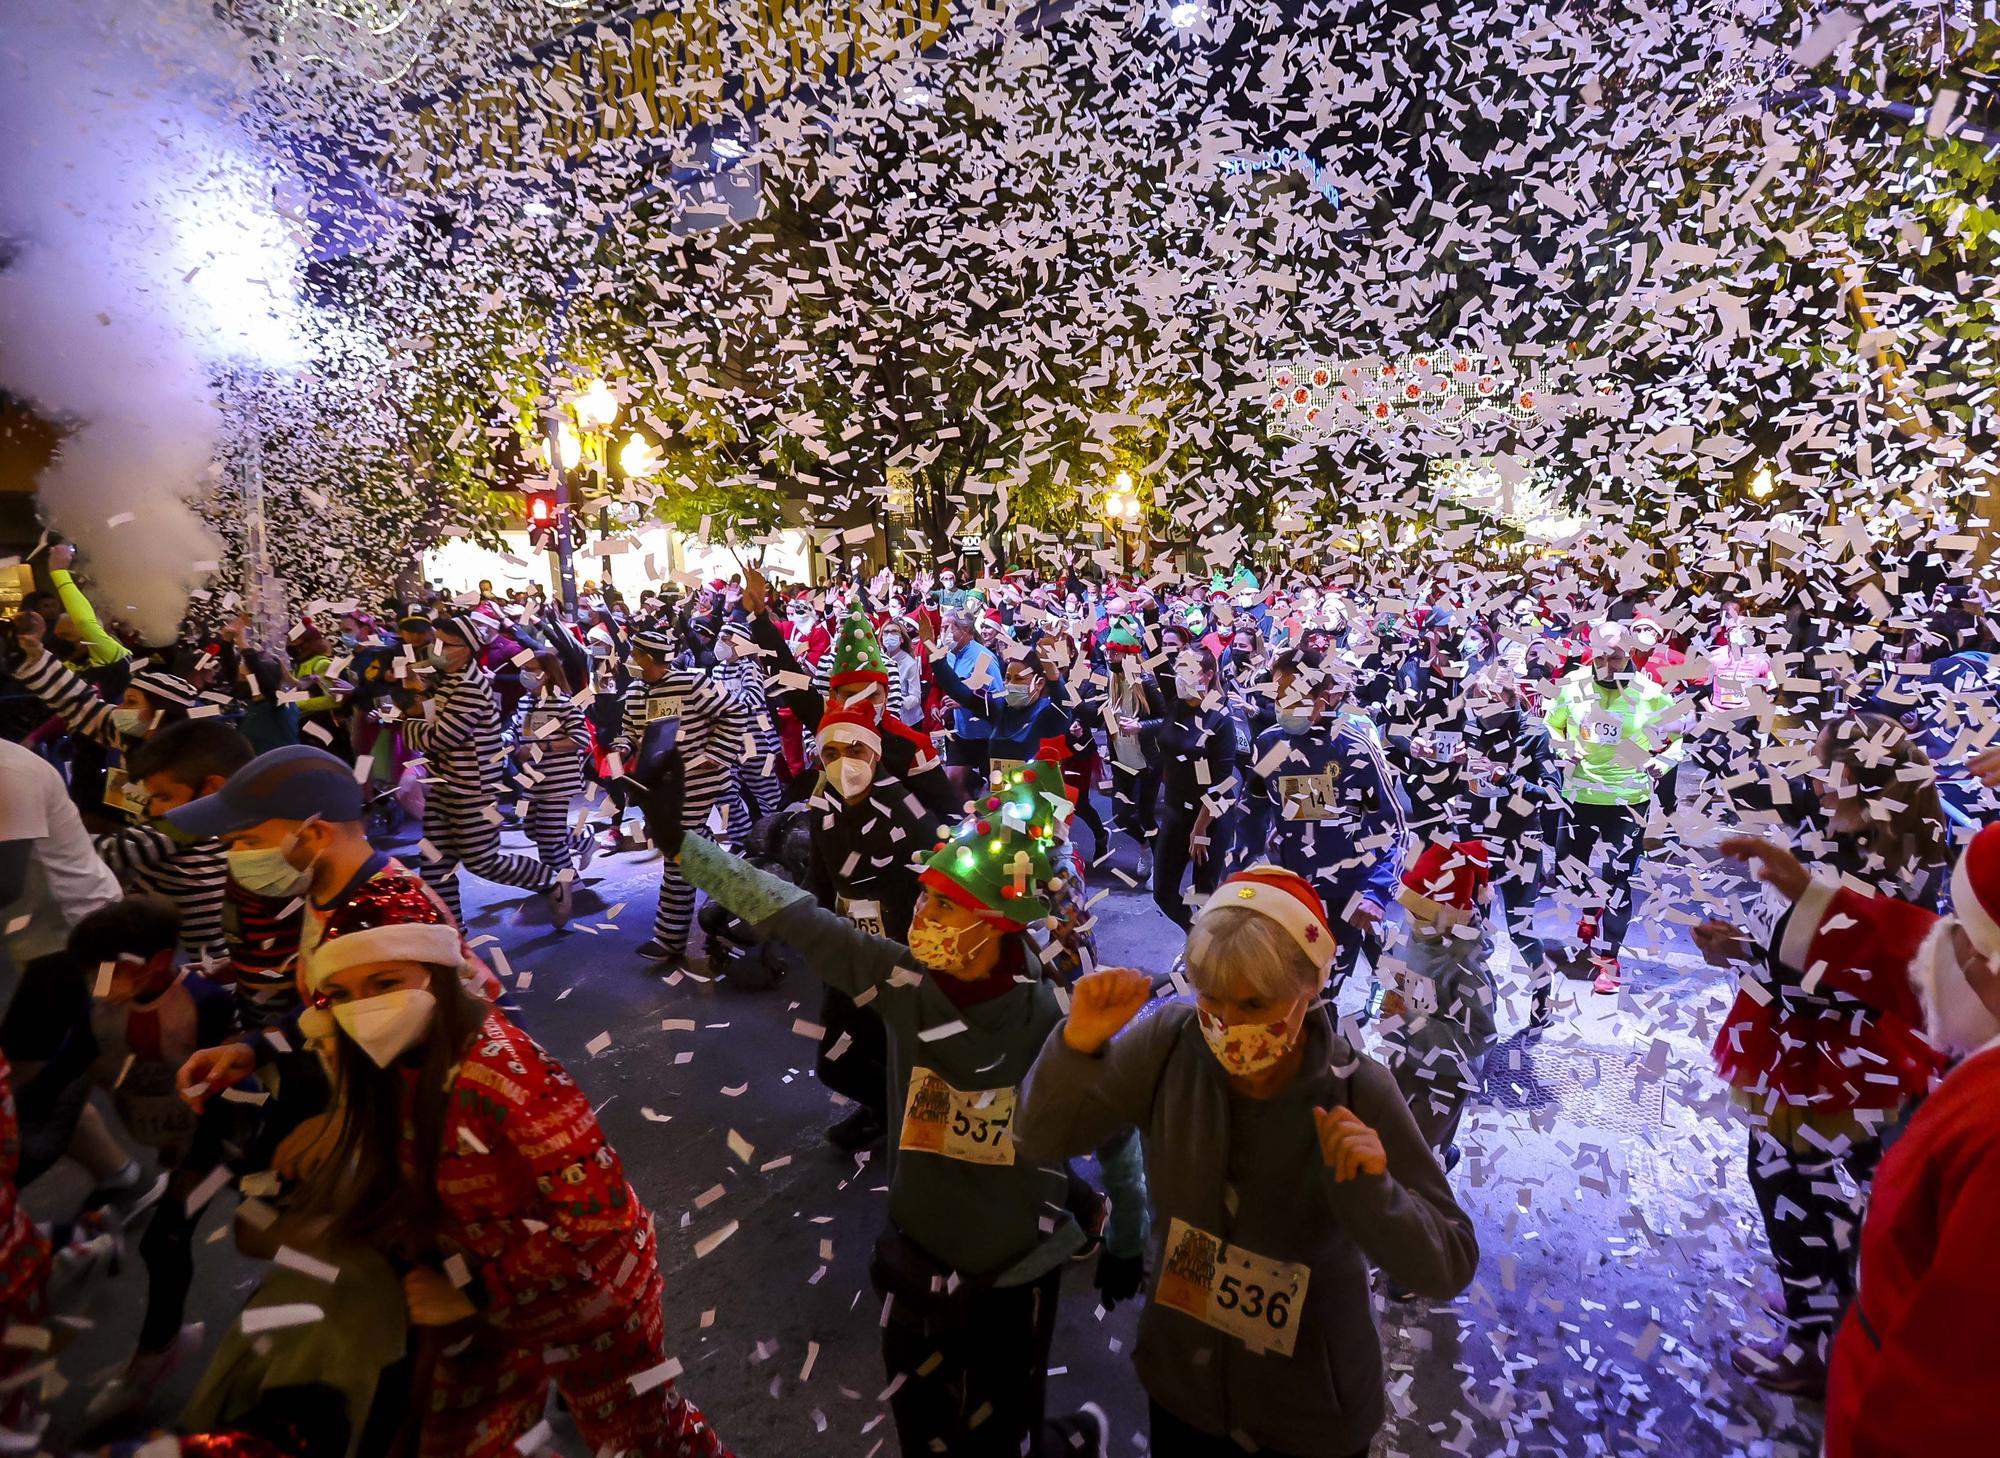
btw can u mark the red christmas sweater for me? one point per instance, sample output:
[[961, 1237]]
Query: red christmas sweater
[[24, 1252], [535, 1201], [1913, 1363], [1836, 1028]]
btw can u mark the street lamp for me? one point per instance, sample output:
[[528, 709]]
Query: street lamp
[[637, 458], [1122, 512], [595, 406], [1761, 485]]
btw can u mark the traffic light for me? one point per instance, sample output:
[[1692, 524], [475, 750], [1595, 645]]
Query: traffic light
[[540, 509]]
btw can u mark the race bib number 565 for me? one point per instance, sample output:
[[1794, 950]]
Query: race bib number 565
[[1236, 1291], [975, 1126]]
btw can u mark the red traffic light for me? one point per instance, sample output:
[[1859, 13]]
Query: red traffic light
[[540, 509]]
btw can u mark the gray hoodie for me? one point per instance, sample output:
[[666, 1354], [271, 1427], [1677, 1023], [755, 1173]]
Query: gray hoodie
[[1250, 1172]]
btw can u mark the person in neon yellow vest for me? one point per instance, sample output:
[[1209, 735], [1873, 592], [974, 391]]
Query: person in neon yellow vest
[[1619, 731]]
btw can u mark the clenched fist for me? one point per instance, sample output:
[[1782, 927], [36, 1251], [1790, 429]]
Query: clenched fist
[[1101, 1003], [1349, 1146]]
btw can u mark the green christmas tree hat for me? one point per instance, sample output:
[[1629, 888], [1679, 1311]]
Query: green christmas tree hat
[[996, 860], [1038, 788], [857, 654]]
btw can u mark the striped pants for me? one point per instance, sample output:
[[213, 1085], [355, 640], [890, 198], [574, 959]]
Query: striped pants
[[547, 824], [463, 833], [762, 791], [676, 913]]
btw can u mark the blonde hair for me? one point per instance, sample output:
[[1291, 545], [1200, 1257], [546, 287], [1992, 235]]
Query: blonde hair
[[1233, 949]]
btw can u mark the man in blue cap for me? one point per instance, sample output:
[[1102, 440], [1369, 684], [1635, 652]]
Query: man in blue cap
[[293, 822]]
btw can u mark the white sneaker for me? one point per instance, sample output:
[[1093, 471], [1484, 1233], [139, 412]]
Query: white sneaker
[[129, 1393]]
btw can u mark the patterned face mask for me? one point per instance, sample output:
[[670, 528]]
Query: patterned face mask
[[941, 947], [1247, 1048]]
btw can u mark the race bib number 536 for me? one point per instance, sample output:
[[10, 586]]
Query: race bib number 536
[[1236, 1291], [975, 1126]]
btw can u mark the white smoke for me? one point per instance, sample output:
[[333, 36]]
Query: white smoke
[[147, 257]]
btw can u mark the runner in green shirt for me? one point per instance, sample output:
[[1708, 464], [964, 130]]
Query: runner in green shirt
[[1618, 731]]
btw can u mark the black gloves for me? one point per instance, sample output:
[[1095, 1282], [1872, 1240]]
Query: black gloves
[[1119, 1278], [658, 783]]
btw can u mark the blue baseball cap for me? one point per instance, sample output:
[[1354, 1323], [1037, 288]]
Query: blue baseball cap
[[297, 782]]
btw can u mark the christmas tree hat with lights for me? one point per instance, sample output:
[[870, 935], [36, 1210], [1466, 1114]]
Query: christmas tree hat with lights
[[996, 860], [857, 654], [1038, 788]]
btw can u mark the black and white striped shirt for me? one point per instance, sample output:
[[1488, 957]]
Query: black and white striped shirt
[[541, 719], [75, 702], [756, 740], [191, 874], [458, 734], [704, 711]]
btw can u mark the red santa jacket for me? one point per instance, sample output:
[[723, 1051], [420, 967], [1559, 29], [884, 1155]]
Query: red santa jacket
[[1913, 1363], [1836, 1027], [556, 1242]]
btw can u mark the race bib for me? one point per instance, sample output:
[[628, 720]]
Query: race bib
[[1306, 797], [1603, 729], [544, 724], [1236, 1291], [865, 915], [122, 792], [1001, 768], [976, 1127], [662, 706], [1481, 773]]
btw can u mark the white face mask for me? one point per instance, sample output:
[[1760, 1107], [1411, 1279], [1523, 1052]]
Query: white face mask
[[851, 777], [724, 651], [1295, 719], [130, 722], [1019, 695], [1246, 1048], [388, 1026], [948, 582], [533, 681], [266, 872], [891, 642], [1189, 686]]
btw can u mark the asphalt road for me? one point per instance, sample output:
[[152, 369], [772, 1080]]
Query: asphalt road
[[1620, 1251]]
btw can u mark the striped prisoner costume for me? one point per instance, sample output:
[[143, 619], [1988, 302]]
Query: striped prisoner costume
[[705, 714], [458, 734], [145, 858], [754, 732], [551, 778]]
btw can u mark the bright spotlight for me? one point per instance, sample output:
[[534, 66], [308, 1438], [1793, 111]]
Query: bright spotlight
[[1186, 14]]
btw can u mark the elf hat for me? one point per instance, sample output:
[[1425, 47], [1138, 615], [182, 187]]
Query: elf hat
[[995, 861], [1286, 898], [1448, 883], [857, 655], [392, 919], [852, 724], [654, 642]]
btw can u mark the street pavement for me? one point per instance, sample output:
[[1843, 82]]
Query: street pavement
[[1620, 1253]]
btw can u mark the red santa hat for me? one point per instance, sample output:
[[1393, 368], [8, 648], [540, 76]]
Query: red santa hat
[[1975, 890], [855, 723], [1286, 898], [1448, 884], [392, 919]]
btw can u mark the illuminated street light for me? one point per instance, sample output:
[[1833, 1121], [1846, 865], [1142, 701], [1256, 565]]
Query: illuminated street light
[[569, 446], [637, 458], [1761, 485], [596, 407]]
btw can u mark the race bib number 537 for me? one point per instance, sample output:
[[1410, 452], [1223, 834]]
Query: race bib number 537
[[975, 1126], [1236, 1291]]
